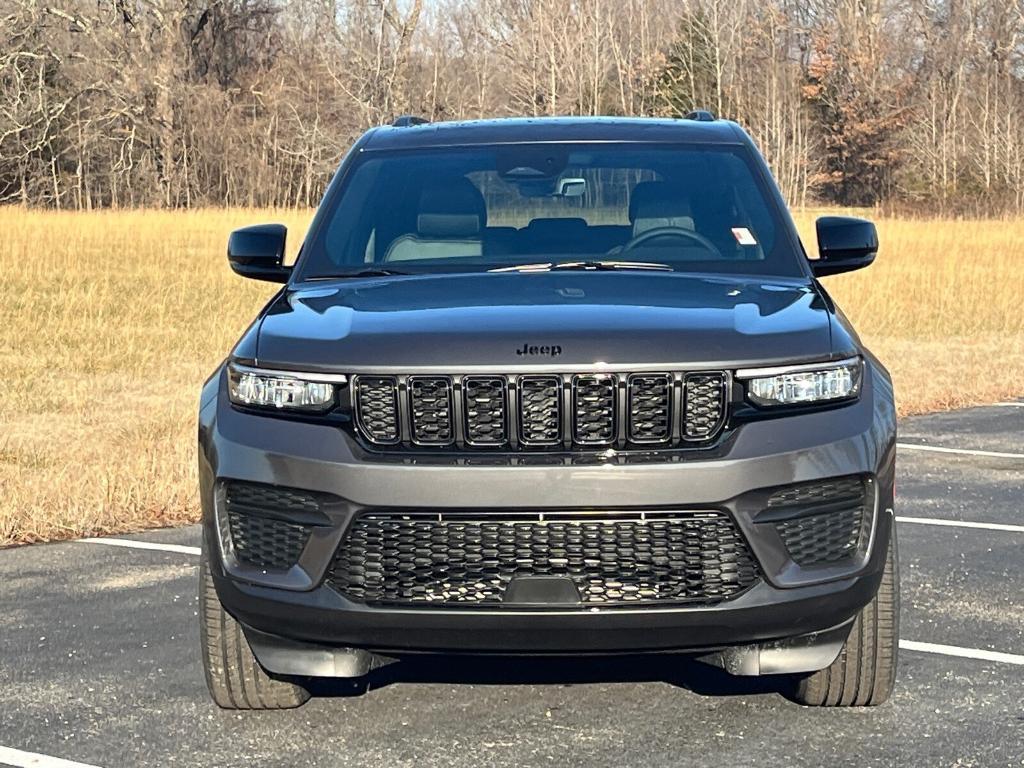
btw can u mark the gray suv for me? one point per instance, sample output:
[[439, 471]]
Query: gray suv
[[557, 386]]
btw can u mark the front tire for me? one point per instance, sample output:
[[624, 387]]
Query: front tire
[[864, 673], [233, 675]]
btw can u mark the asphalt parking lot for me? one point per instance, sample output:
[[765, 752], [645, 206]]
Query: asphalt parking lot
[[99, 662]]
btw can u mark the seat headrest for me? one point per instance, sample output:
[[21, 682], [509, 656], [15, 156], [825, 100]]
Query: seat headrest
[[656, 204], [452, 208]]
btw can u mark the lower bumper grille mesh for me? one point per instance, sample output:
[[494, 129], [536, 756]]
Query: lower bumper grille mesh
[[259, 537], [467, 559], [831, 520]]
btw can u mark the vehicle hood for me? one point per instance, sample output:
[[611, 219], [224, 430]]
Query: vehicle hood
[[561, 320]]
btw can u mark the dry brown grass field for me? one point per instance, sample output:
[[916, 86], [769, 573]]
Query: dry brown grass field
[[110, 321]]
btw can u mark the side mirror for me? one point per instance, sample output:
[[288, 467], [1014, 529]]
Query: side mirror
[[257, 252], [844, 244]]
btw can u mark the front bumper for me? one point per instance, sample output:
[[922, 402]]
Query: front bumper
[[295, 607]]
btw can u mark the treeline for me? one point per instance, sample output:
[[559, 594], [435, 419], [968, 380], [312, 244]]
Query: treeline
[[181, 103]]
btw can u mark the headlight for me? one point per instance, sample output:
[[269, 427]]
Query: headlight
[[281, 389], [796, 385]]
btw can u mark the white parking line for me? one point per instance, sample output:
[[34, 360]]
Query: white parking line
[[21, 759], [1010, 405], [963, 653], [965, 451], [134, 544], [961, 524]]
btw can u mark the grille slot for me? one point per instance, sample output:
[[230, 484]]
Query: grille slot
[[830, 522], [612, 558], [486, 409], [260, 538], [430, 398], [376, 403], [650, 408], [594, 411], [540, 410], [703, 405]]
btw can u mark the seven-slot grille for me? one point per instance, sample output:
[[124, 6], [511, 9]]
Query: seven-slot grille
[[538, 411], [612, 558]]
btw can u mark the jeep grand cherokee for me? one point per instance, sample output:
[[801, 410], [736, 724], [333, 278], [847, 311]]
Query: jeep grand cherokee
[[558, 386]]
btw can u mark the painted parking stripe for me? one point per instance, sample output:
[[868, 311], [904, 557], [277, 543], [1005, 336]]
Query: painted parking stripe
[[961, 524], [1010, 404], [21, 759], [963, 653], [135, 544], [964, 451]]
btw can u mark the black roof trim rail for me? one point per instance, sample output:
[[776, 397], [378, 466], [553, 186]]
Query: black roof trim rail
[[408, 121], [701, 115]]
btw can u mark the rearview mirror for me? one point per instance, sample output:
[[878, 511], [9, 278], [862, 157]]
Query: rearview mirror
[[257, 252], [845, 243], [571, 188]]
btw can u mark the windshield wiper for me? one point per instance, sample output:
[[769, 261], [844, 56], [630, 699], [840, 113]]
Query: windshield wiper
[[370, 272], [585, 266]]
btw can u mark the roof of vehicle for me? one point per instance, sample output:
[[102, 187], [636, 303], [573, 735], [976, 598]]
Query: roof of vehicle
[[554, 129]]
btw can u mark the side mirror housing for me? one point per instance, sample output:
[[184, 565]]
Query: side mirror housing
[[257, 252], [845, 243]]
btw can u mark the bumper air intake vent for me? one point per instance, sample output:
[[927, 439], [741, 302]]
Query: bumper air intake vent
[[260, 536], [826, 521], [612, 558]]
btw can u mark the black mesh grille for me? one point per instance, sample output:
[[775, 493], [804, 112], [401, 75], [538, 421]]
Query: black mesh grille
[[704, 405], [554, 411], [831, 520], [540, 410], [377, 408], [650, 411], [486, 410], [430, 398], [260, 539], [839, 489], [594, 409], [613, 558]]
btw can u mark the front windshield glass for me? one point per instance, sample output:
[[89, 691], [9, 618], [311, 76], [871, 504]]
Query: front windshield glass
[[686, 208]]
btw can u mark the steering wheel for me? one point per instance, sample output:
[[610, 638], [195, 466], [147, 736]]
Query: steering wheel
[[653, 234]]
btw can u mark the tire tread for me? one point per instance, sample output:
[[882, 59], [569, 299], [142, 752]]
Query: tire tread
[[864, 673], [234, 677]]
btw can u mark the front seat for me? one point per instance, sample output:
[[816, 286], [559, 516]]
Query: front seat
[[655, 204], [449, 224]]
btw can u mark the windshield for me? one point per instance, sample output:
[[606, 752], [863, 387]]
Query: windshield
[[587, 206]]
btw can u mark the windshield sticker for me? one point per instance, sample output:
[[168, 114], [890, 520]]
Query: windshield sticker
[[743, 236]]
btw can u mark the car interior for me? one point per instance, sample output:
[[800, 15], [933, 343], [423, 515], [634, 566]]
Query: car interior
[[680, 212]]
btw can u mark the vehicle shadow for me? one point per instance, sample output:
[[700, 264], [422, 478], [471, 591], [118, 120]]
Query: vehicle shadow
[[682, 672]]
